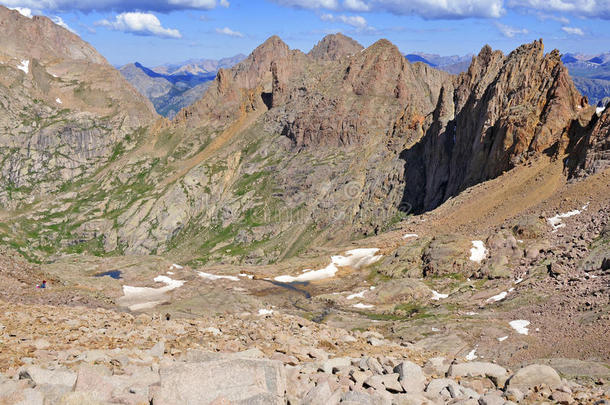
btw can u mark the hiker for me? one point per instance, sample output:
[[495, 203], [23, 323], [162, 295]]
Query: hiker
[[43, 285]]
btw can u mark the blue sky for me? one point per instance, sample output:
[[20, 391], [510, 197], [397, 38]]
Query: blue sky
[[163, 31]]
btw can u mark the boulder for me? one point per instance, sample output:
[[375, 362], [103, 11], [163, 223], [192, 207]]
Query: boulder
[[494, 372], [411, 377], [533, 375], [240, 381], [41, 376]]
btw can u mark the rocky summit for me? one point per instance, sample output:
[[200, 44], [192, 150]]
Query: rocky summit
[[337, 226]]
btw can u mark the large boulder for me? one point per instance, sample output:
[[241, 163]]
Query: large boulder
[[411, 377], [534, 375], [494, 372], [239, 381]]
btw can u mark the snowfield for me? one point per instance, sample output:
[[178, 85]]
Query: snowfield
[[209, 276], [138, 298], [355, 258]]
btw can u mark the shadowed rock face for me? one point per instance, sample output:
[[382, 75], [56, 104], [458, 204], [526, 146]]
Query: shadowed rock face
[[491, 118], [591, 150]]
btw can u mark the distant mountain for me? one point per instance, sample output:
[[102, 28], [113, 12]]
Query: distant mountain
[[172, 87], [198, 67], [591, 74], [453, 64], [416, 58]]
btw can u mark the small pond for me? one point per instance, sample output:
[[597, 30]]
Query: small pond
[[115, 274]]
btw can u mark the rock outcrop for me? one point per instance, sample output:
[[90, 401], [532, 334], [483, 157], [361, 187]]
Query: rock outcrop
[[491, 118]]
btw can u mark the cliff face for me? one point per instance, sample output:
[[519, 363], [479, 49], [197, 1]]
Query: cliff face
[[491, 118], [65, 110], [354, 99]]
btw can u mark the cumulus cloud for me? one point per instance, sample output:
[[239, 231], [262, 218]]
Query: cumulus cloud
[[573, 31], [444, 9], [140, 24], [356, 5], [509, 31], [591, 8], [228, 31], [355, 21], [87, 6]]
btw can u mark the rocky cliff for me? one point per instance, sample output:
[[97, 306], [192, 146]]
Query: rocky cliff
[[65, 110], [503, 110]]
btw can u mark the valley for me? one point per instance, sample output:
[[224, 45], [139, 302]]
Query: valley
[[337, 226]]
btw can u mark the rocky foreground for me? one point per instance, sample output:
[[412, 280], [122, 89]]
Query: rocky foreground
[[78, 355]]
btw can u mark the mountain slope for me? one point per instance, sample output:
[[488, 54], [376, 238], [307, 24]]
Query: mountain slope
[[65, 110]]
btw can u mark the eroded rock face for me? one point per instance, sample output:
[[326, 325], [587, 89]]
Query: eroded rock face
[[65, 109], [591, 153], [495, 115]]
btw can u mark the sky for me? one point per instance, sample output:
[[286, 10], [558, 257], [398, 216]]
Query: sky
[[155, 32]]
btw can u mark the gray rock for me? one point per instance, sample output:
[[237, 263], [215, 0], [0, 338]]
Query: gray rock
[[157, 350], [533, 375], [437, 366], [322, 395], [356, 398], [240, 381], [494, 372], [440, 386], [331, 365], [491, 399], [41, 376], [411, 377]]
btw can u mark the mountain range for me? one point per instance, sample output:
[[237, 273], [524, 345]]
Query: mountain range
[[175, 86], [308, 218]]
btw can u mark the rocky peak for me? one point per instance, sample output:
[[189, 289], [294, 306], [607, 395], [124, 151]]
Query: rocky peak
[[40, 38], [505, 109], [335, 46]]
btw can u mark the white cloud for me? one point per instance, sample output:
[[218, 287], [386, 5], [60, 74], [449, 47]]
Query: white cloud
[[228, 31], [544, 17], [355, 21], [116, 5], [356, 5], [573, 31], [140, 24], [24, 11], [59, 21], [443, 9], [312, 4], [509, 31], [592, 8]]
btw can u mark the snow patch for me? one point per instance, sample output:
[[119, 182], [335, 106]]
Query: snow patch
[[556, 221], [138, 298], [520, 325], [599, 110], [176, 266], [435, 329], [471, 313], [216, 277], [503, 338], [356, 295], [250, 276], [410, 235], [362, 306], [437, 296], [58, 100], [519, 280], [498, 297], [355, 258], [472, 356], [265, 311], [171, 273], [478, 252], [24, 66]]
